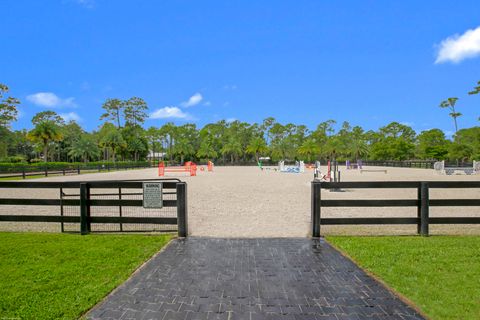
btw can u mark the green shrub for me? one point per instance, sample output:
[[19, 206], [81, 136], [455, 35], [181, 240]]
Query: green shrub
[[13, 159]]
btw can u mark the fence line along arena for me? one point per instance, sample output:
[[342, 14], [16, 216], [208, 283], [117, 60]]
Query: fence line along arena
[[249, 202]]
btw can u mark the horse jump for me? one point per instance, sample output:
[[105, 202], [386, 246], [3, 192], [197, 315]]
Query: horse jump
[[353, 165], [299, 167], [440, 168], [188, 167], [373, 170], [209, 167], [333, 173]]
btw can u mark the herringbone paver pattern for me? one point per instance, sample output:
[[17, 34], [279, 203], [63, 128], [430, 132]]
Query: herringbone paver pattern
[[197, 278]]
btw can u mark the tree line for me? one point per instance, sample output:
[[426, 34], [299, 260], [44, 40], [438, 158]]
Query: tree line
[[122, 136]]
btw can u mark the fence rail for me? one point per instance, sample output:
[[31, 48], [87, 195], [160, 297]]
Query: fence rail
[[85, 201], [425, 164], [422, 203], [25, 172]]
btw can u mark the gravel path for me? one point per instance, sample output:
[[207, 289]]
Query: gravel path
[[248, 202]]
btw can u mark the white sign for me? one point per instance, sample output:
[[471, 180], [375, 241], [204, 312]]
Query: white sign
[[152, 195]]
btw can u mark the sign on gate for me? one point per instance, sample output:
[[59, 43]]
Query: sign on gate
[[152, 195]]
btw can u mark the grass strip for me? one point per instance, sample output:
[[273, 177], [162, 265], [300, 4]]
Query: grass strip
[[60, 276], [440, 274]]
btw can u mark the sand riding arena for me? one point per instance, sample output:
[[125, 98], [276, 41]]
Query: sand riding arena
[[249, 202]]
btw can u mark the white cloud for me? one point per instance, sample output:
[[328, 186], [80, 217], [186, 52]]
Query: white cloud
[[459, 47], [207, 103], [230, 120], [69, 116], [169, 112], [193, 100], [408, 123], [86, 3], [51, 100], [230, 87]]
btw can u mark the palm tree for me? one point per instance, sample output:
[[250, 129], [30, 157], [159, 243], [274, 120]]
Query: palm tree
[[206, 150], [233, 147], [86, 147], [45, 132], [476, 90], [280, 149], [113, 140], [183, 148], [450, 104], [256, 146], [357, 143], [309, 149], [136, 145]]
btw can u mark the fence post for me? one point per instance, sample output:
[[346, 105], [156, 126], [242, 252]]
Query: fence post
[[182, 209], [316, 197], [78, 169], [89, 225], [424, 208], [62, 228], [23, 173], [46, 171], [120, 206], [84, 219], [419, 209]]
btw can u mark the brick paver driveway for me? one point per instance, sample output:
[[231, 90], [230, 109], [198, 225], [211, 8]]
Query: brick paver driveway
[[199, 278]]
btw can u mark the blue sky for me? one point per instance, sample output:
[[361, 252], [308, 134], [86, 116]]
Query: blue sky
[[367, 62]]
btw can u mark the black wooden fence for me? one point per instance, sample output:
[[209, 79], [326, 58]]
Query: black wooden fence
[[422, 203], [87, 199], [423, 164], [24, 172]]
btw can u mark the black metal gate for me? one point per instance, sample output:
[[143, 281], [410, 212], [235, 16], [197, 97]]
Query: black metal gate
[[105, 206], [118, 210]]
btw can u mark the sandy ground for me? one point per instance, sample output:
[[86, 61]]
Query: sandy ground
[[248, 202]]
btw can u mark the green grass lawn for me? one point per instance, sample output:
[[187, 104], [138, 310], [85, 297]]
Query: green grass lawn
[[60, 276], [440, 274]]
